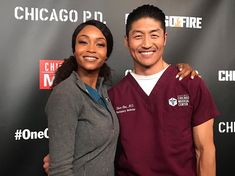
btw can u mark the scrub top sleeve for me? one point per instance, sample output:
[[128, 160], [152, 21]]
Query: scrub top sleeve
[[204, 107]]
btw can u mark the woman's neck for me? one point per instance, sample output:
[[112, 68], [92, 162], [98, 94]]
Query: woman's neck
[[89, 78]]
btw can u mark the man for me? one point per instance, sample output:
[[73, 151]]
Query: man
[[166, 126]]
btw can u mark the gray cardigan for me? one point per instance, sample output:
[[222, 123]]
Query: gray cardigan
[[83, 134]]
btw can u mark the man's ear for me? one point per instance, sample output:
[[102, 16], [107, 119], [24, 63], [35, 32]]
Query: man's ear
[[165, 38], [126, 42]]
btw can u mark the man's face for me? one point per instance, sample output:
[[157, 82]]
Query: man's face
[[146, 42]]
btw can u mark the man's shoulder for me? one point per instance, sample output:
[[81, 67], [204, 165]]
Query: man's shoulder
[[120, 84]]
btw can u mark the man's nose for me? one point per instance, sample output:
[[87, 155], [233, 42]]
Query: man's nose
[[147, 43]]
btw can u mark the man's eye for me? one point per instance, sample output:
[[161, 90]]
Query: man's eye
[[155, 36], [137, 36]]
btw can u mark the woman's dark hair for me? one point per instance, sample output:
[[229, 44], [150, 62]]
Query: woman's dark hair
[[70, 64]]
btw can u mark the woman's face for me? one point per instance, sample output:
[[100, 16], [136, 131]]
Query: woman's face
[[90, 49]]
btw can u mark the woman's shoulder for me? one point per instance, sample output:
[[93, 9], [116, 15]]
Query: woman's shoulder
[[65, 89]]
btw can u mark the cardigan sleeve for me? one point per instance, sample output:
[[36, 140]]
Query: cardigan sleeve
[[62, 123]]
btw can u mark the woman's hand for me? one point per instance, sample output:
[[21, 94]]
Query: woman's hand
[[46, 163], [185, 70]]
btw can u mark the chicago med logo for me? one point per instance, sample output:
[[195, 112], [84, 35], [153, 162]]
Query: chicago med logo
[[47, 71], [172, 102], [182, 100]]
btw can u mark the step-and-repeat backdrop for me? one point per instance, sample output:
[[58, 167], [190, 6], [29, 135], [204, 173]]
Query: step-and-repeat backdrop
[[35, 36]]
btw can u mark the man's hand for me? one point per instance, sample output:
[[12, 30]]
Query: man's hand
[[46, 163], [185, 70]]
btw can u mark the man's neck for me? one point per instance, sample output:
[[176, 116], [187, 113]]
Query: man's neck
[[150, 71]]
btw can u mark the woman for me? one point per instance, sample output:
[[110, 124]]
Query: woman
[[83, 126]]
